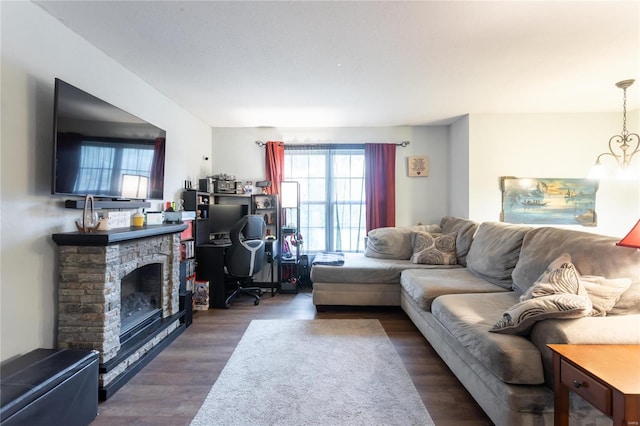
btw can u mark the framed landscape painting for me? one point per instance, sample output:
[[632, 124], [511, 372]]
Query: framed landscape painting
[[549, 201]]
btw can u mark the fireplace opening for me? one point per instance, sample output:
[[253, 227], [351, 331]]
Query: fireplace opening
[[140, 300]]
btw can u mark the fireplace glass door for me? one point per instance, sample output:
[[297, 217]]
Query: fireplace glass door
[[140, 298]]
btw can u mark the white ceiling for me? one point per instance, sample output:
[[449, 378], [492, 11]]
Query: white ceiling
[[343, 63]]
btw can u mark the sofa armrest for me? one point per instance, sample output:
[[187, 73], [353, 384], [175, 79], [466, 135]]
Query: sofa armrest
[[614, 329]]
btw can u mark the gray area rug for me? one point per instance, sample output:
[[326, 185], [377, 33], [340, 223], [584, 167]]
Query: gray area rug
[[314, 372]]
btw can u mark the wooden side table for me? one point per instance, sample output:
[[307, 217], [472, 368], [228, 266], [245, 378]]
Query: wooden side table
[[607, 376]]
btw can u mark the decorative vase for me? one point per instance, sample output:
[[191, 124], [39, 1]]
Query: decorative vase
[[90, 220]]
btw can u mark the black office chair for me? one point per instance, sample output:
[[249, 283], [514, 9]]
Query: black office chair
[[245, 256]]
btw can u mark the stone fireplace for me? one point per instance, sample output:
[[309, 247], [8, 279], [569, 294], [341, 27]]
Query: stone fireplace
[[119, 294]]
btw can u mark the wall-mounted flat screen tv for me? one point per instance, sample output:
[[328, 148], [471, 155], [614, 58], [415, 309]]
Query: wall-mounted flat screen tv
[[101, 150]]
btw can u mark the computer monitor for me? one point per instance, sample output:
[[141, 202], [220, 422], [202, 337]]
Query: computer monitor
[[222, 217]]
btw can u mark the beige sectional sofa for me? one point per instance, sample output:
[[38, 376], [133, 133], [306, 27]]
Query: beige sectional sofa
[[492, 314]]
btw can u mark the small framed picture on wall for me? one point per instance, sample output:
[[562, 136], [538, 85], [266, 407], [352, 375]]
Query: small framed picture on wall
[[418, 166]]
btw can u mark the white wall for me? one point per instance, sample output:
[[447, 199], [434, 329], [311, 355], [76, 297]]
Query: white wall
[[418, 199], [467, 160], [551, 146], [458, 163], [36, 48]]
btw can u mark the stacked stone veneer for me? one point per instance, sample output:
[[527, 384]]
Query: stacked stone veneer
[[89, 290]]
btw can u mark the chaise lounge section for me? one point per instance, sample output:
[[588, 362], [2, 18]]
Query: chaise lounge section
[[469, 312], [373, 278]]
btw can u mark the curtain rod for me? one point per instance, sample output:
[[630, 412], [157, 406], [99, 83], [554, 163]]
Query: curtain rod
[[402, 144]]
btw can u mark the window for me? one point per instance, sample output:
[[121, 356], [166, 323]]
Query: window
[[332, 195]]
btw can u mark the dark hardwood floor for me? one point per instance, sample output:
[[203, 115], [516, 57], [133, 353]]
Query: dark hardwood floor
[[171, 388]]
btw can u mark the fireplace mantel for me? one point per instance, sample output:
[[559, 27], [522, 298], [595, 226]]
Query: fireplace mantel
[[105, 238]]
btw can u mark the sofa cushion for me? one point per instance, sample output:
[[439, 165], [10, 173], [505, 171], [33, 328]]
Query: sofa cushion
[[543, 245], [465, 229], [423, 286], [394, 242], [433, 249], [495, 250], [558, 293], [468, 317], [360, 269]]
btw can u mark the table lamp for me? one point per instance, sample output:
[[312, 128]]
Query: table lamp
[[632, 239]]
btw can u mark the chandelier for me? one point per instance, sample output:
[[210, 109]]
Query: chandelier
[[622, 147]]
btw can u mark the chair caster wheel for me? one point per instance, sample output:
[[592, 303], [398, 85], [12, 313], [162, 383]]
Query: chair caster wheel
[[256, 302]]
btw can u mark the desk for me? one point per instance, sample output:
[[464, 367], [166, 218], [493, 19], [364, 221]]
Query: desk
[[607, 376], [210, 267]]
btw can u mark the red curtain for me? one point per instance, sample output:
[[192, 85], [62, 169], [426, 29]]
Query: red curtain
[[380, 183], [274, 165], [157, 170]]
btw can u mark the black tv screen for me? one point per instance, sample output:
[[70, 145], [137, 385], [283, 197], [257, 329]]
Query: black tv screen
[[101, 150]]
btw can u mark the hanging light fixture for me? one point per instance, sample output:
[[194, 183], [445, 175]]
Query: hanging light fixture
[[622, 147]]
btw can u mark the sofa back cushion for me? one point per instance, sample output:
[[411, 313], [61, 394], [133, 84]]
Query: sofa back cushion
[[394, 242], [592, 254], [495, 250], [465, 230]]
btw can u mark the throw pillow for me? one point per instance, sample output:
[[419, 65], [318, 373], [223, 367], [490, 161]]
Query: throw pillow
[[523, 315], [434, 249], [544, 277], [604, 292], [394, 242], [558, 293], [560, 276]]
